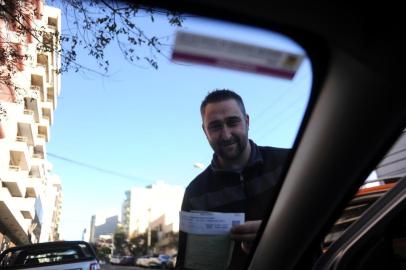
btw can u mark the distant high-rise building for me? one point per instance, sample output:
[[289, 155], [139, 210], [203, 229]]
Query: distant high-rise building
[[51, 199], [92, 228], [29, 87], [102, 226], [108, 227], [158, 204], [125, 212]]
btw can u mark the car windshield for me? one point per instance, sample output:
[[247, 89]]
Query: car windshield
[[103, 130]]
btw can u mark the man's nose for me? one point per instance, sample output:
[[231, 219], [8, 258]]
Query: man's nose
[[226, 133]]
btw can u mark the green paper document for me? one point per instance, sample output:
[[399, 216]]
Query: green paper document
[[208, 245]]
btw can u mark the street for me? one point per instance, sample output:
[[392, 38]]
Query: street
[[120, 267]]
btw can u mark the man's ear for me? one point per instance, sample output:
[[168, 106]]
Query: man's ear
[[247, 120]]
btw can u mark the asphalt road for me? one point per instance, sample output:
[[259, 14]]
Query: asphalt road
[[120, 267]]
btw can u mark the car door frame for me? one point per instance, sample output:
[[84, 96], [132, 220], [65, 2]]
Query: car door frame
[[371, 225]]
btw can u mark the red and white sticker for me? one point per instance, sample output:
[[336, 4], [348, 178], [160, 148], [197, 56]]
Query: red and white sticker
[[235, 55]]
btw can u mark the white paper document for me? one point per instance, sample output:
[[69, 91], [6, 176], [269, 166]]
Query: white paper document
[[209, 223], [208, 245]]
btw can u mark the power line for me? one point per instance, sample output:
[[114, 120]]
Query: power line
[[279, 115], [279, 124], [283, 93], [257, 126], [102, 170]]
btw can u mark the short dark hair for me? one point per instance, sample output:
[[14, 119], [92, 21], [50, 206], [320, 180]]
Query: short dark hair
[[219, 95]]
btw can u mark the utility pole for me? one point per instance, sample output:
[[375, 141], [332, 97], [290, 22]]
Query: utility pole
[[149, 229]]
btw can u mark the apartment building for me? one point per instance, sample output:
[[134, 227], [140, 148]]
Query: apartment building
[[102, 229], [30, 195], [156, 206], [52, 207], [125, 212]]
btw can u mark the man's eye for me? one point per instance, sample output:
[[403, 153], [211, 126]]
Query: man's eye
[[233, 122], [215, 127]]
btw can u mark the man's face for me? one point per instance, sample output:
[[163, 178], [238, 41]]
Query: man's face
[[226, 128]]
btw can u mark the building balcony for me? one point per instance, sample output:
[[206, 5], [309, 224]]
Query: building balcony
[[34, 185], [22, 139], [11, 218], [26, 126], [40, 148], [49, 38], [15, 181], [42, 61], [40, 139], [39, 70], [38, 156], [44, 121], [26, 207], [38, 82], [41, 64], [20, 154], [37, 165], [48, 111], [28, 112], [44, 130], [51, 83], [36, 88], [37, 169], [32, 104], [52, 96], [52, 27]]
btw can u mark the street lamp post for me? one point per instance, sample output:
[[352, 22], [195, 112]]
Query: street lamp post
[[199, 165], [83, 234], [149, 229]]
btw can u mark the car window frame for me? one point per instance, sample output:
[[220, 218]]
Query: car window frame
[[367, 229]]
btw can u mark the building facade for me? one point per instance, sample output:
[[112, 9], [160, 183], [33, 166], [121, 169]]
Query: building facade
[[51, 200], [156, 206], [108, 227], [125, 212], [92, 228], [30, 195], [102, 226]]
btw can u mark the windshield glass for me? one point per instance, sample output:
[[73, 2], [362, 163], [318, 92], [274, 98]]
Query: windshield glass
[[103, 128]]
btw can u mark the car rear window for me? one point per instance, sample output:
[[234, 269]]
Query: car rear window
[[44, 255]]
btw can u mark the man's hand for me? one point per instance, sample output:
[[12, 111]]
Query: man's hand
[[246, 233]]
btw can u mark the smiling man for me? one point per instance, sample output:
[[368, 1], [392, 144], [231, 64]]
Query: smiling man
[[241, 177], [225, 124]]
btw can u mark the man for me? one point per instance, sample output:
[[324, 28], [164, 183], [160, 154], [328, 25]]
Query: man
[[241, 178]]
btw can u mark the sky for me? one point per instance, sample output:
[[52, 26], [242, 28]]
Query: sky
[[145, 124]]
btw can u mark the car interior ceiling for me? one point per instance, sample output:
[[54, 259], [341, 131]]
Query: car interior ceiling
[[353, 90]]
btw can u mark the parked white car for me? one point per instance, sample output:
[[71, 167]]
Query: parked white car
[[115, 259], [50, 256], [157, 261], [148, 261]]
